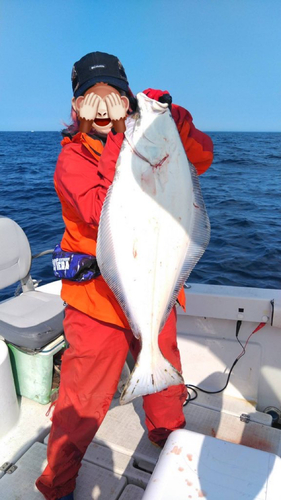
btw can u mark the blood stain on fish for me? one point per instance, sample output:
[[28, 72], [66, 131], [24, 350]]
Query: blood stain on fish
[[148, 182], [189, 457], [160, 163]]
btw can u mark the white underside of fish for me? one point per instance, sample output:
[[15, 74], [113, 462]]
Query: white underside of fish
[[153, 230]]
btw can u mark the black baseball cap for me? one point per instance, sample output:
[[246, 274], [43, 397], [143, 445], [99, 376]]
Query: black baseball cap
[[98, 67]]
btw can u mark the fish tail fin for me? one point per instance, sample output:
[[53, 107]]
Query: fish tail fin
[[143, 381]]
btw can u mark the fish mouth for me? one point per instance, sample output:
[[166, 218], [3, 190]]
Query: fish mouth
[[102, 122]]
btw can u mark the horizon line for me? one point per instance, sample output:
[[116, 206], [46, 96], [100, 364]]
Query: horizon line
[[206, 131]]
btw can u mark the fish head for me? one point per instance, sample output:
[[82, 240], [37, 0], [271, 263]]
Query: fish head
[[149, 129], [146, 105]]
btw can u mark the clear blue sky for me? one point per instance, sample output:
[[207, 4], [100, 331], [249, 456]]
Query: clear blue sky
[[218, 58]]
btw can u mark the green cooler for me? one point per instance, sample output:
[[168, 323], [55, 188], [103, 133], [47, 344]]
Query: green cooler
[[33, 371]]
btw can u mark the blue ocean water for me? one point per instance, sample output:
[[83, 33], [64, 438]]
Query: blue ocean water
[[241, 191]]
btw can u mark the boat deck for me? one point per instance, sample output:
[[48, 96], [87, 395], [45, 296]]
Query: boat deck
[[119, 462]]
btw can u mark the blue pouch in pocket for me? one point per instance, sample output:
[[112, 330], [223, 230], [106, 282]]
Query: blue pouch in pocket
[[74, 266]]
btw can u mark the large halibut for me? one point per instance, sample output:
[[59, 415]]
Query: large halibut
[[153, 230]]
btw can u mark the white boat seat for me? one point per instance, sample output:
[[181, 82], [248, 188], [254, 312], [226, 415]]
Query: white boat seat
[[192, 465], [32, 319]]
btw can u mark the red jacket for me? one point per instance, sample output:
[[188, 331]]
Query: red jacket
[[84, 171]]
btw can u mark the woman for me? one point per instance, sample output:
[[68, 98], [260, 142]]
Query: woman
[[95, 326]]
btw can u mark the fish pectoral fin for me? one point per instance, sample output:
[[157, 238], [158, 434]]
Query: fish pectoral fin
[[144, 380]]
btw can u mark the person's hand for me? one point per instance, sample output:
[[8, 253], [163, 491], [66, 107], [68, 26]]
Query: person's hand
[[89, 107], [116, 111], [115, 108], [88, 112]]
